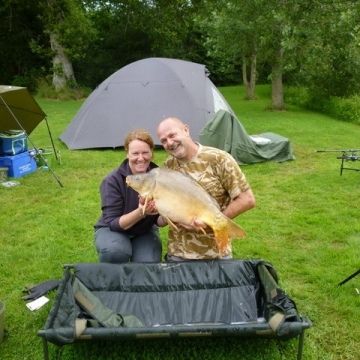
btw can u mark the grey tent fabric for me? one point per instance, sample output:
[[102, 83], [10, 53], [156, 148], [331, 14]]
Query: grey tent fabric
[[140, 95], [224, 131]]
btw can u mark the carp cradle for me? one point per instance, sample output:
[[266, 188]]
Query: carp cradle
[[237, 298]]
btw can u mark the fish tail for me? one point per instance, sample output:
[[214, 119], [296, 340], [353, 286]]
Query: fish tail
[[225, 229], [234, 230], [221, 238]]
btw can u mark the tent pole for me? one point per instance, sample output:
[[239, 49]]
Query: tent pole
[[52, 141]]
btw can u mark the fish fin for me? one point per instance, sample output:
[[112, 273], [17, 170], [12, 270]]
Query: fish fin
[[171, 223], [202, 229], [221, 238], [234, 230], [148, 197], [144, 207]]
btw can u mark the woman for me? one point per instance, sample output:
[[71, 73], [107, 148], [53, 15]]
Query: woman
[[124, 232]]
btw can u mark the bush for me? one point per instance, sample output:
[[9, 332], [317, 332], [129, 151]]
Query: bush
[[27, 80], [46, 90], [296, 95], [345, 109]]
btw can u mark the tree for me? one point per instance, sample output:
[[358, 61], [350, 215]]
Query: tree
[[241, 31], [310, 43], [70, 32], [235, 34], [122, 36], [316, 42], [131, 30], [18, 64], [172, 30], [330, 56], [275, 24]]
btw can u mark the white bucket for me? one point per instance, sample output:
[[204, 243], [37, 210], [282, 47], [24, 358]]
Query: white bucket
[[2, 322]]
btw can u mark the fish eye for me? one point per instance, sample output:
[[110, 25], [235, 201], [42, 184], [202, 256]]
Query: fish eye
[[137, 177]]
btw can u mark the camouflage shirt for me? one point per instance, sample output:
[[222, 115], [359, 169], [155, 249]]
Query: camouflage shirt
[[217, 172]]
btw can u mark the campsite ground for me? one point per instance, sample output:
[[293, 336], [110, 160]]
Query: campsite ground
[[306, 224]]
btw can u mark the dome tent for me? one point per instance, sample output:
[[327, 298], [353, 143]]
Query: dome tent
[[140, 95]]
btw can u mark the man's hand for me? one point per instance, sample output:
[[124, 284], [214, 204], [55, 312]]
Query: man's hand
[[195, 225]]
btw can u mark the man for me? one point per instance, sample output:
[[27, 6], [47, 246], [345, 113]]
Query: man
[[219, 174]]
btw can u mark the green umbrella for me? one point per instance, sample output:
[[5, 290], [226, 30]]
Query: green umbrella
[[18, 109]]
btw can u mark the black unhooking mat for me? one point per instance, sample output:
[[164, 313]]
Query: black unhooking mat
[[97, 301]]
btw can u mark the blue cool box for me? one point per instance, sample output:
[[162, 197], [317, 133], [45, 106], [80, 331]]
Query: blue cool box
[[13, 142], [18, 165]]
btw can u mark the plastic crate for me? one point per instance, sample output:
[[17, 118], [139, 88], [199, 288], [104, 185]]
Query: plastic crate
[[18, 165]]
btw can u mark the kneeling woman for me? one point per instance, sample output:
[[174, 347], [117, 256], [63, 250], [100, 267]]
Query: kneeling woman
[[124, 232]]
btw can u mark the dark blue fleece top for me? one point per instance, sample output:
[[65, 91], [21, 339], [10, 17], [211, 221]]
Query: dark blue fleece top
[[118, 199]]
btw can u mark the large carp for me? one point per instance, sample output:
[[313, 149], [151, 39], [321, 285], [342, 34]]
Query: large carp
[[179, 198]]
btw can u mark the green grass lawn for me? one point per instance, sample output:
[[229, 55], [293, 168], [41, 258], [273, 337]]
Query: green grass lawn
[[306, 223]]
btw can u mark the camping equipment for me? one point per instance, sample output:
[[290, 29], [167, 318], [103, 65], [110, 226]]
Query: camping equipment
[[140, 95], [45, 157], [19, 165], [20, 111], [347, 155], [13, 142], [224, 131], [238, 298], [37, 291]]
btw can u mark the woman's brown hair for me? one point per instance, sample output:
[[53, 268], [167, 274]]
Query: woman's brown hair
[[141, 135]]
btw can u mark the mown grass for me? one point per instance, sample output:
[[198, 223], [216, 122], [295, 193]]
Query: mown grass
[[306, 223]]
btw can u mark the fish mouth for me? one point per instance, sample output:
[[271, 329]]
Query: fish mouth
[[127, 182]]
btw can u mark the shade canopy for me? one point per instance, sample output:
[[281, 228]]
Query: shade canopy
[[18, 109]]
